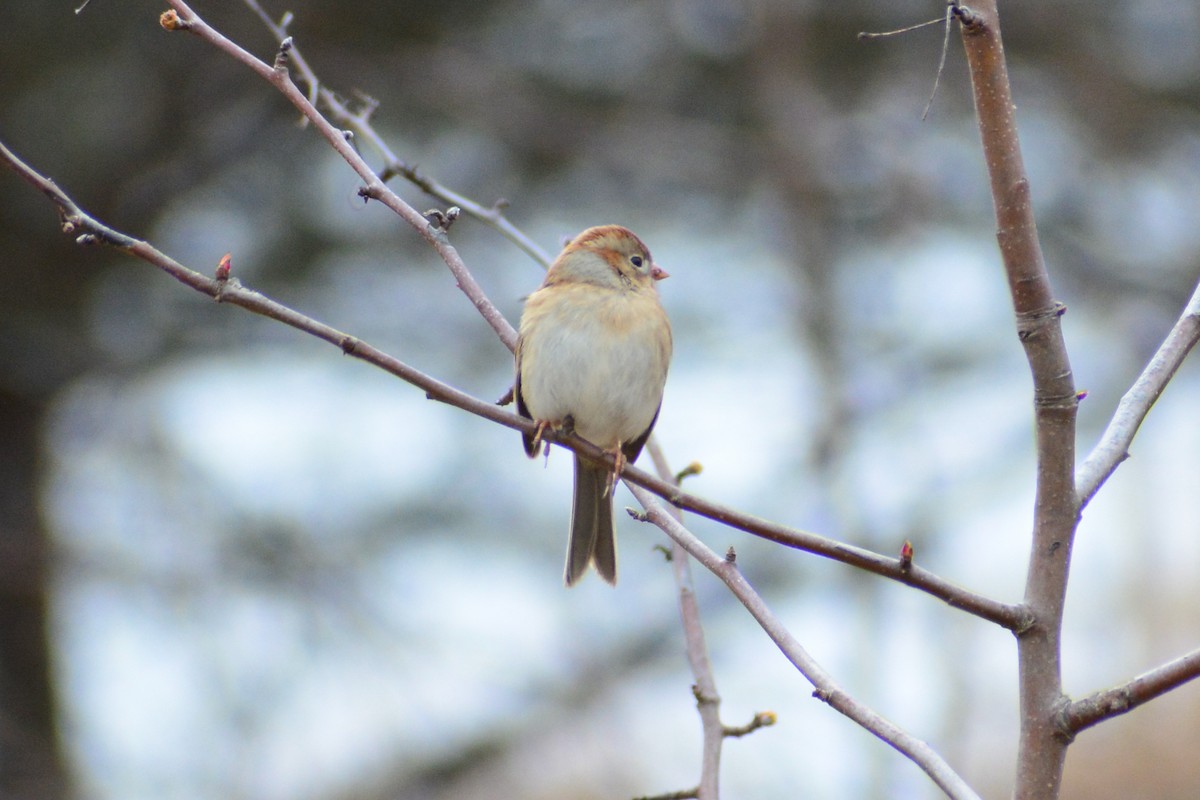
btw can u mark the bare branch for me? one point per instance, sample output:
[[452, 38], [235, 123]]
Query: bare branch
[[704, 688], [825, 688], [87, 230], [360, 122], [1082, 714], [708, 701], [373, 187], [1041, 752], [1013, 617], [225, 288], [1113, 447], [763, 719]]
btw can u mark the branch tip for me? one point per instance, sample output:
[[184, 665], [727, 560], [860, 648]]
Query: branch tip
[[867, 36], [694, 468], [640, 516], [368, 193], [169, 20], [281, 57], [763, 719], [442, 220], [971, 20]]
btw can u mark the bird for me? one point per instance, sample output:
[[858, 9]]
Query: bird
[[594, 345]]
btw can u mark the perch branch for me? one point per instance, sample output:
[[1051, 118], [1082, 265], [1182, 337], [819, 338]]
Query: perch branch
[[227, 289], [78, 222], [1013, 617]]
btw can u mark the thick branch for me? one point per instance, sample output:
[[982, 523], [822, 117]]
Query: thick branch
[[825, 687], [1113, 447], [1041, 752], [1100, 706]]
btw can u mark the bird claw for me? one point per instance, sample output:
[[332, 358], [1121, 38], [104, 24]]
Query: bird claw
[[618, 465], [539, 432]]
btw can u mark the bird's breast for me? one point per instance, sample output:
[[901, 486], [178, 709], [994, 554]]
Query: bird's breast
[[597, 355]]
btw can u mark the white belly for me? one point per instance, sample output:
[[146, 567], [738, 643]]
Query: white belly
[[604, 370]]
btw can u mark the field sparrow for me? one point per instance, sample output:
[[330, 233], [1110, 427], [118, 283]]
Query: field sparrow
[[592, 357]]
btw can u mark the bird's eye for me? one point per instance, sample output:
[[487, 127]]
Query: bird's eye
[[636, 261]]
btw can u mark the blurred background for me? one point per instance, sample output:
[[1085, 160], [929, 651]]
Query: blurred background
[[235, 564]]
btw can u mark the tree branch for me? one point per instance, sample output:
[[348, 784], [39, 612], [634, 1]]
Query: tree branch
[[1013, 617], [825, 688], [360, 123], [1082, 714], [278, 76], [704, 687], [1041, 752], [763, 719], [1113, 447], [226, 288], [87, 230]]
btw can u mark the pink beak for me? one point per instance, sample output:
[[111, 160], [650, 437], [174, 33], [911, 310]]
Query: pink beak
[[658, 273]]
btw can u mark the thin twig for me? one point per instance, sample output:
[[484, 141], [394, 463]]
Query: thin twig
[[937, 79], [226, 288], [360, 122], [763, 719], [867, 36], [1113, 447], [826, 688], [373, 188], [704, 686]]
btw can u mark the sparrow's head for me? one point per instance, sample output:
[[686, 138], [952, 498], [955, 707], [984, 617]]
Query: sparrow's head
[[608, 255]]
